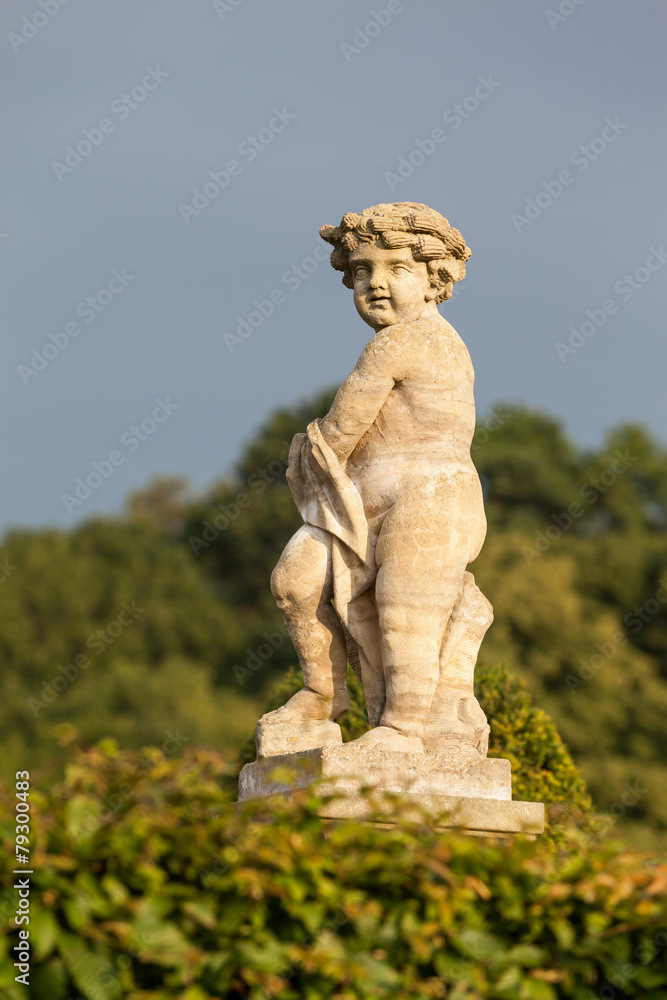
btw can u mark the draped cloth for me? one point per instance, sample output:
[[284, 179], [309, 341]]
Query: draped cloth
[[326, 498]]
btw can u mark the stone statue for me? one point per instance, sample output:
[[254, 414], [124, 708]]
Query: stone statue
[[392, 509], [376, 577]]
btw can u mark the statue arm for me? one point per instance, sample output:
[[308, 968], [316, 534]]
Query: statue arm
[[359, 400]]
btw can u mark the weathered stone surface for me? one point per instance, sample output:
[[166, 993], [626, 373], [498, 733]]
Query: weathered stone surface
[[476, 815], [475, 796], [391, 502], [273, 739], [377, 576], [350, 767]]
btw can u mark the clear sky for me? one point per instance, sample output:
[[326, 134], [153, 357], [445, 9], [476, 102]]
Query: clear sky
[[124, 290]]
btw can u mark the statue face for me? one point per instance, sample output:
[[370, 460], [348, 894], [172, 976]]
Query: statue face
[[390, 286]]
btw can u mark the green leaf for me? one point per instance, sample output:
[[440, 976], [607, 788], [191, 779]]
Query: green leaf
[[453, 968], [507, 983], [92, 973], [528, 955], [650, 977], [195, 993], [479, 945], [564, 933], [43, 932], [380, 974], [534, 989], [82, 814], [267, 956], [204, 911], [76, 913], [162, 944], [48, 981]]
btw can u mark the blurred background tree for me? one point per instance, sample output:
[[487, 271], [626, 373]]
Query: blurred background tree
[[575, 564]]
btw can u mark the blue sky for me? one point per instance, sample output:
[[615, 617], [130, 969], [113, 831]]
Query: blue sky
[[120, 111]]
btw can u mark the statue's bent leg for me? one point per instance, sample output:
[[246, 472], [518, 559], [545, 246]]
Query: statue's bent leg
[[302, 584]]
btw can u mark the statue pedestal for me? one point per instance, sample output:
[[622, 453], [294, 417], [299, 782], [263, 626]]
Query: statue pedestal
[[459, 788]]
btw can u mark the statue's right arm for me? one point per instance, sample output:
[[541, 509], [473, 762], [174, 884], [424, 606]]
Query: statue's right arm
[[360, 397]]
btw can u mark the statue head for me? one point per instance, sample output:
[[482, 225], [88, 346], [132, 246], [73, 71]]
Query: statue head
[[402, 225]]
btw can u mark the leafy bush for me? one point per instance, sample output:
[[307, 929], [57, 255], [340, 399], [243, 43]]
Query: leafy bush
[[150, 884], [542, 768]]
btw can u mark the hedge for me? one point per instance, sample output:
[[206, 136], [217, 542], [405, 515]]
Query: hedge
[[149, 883]]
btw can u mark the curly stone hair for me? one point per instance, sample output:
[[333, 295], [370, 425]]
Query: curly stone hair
[[402, 224]]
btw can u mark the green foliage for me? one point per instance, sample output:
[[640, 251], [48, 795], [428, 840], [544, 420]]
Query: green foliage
[[542, 769], [580, 604], [575, 565], [528, 467], [78, 606], [150, 884]]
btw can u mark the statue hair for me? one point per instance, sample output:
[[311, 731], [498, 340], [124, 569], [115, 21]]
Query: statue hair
[[402, 224]]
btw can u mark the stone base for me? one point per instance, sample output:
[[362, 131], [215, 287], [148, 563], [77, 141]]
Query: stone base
[[352, 767], [474, 792], [494, 817], [277, 739]]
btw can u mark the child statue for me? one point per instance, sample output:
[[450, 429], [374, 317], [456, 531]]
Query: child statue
[[392, 508]]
